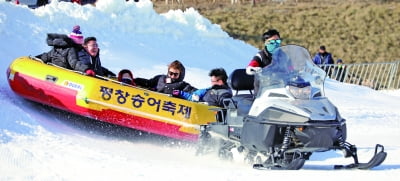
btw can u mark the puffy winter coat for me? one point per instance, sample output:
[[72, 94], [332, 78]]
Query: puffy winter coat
[[63, 53], [261, 59], [214, 95], [325, 58], [217, 94], [94, 63], [159, 84]]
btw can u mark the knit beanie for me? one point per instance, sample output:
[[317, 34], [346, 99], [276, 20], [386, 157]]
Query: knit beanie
[[76, 35]]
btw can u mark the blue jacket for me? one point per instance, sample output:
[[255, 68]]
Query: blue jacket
[[325, 58], [195, 96], [213, 95]]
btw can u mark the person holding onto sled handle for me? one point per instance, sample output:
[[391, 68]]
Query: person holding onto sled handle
[[213, 95], [167, 83], [65, 50], [90, 56], [126, 76]]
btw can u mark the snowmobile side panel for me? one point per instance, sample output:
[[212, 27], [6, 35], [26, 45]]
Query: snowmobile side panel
[[322, 137], [258, 136]]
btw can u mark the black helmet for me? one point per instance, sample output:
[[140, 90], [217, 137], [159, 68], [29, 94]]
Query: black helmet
[[269, 33]]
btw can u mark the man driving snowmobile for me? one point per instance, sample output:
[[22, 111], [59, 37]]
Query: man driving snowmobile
[[263, 58]]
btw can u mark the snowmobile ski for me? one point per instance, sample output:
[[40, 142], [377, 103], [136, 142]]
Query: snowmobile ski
[[376, 160]]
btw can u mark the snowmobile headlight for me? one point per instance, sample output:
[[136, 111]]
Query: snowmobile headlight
[[300, 92], [299, 88]]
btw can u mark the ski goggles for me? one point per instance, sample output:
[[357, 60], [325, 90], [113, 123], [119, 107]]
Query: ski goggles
[[277, 41]]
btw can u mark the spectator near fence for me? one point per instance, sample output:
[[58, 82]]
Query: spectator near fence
[[322, 58], [339, 72]]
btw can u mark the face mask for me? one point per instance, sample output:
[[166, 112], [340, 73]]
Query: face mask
[[272, 45], [126, 81]]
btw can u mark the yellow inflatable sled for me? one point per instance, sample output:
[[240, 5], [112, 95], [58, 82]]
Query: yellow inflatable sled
[[108, 100]]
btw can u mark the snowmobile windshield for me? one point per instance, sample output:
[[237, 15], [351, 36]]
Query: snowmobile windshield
[[289, 63]]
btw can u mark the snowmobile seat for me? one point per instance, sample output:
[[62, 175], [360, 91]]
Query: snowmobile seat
[[239, 80]]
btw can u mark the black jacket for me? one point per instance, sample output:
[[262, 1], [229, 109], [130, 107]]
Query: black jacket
[[94, 63], [159, 84], [217, 94], [64, 52], [263, 58]]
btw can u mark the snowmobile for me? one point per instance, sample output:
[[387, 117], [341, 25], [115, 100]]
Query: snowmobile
[[285, 119]]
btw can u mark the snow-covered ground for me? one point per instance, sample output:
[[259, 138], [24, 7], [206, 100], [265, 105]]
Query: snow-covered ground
[[41, 143]]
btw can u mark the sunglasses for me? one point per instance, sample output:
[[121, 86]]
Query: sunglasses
[[176, 74], [274, 41]]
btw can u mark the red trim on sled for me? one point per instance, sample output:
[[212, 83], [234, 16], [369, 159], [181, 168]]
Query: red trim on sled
[[45, 92], [143, 124]]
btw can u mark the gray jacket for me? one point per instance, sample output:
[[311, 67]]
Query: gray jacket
[[64, 52]]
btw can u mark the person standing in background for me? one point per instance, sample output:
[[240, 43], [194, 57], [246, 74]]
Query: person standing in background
[[339, 71], [323, 58]]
